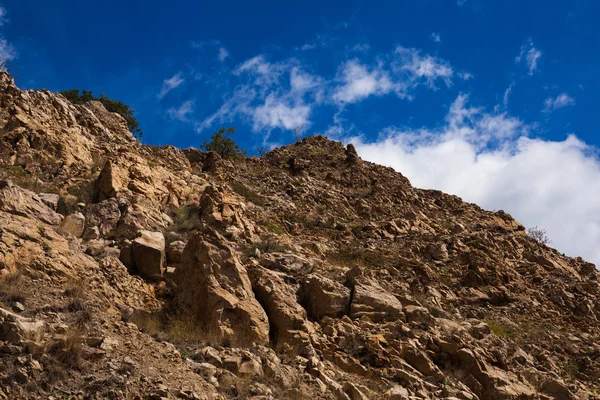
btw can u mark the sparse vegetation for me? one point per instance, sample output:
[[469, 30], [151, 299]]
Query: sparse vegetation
[[185, 218], [80, 97], [12, 287], [221, 143], [350, 255], [174, 327], [69, 351], [501, 330], [273, 227], [298, 133], [539, 235], [247, 193]]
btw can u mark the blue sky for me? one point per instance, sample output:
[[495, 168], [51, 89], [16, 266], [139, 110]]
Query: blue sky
[[495, 101]]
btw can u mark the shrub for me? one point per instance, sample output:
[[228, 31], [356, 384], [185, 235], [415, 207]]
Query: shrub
[[247, 193], [77, 97], [539, 235], [221, 143], [500, 329]]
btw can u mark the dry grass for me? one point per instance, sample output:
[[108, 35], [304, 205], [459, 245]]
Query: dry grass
[[12, 287], [185, 219], [66, 355], [78, 301], [248, 194], [176, 328]]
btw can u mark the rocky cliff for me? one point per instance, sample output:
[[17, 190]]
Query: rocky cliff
[[139, 272]]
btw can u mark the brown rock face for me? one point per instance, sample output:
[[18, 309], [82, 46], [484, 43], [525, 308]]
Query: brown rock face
[[290, 330], [305, 273], [149, 254], [109, 183], [324, 297], [25, 203], [73, 224], [214, 286]]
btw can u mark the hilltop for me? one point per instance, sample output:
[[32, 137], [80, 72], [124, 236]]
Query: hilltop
[[131, 271]]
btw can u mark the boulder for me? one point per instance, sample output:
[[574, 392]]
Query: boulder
[[73, 224], [104, 215], [438, 251], [91, 233], [397, 393], [25, 203], [149, 254], [214, 287], [110, 182], [15, 329], [374, 302], [417, 314], [50, 199], [174, 252], [290, 330], [323, 297]]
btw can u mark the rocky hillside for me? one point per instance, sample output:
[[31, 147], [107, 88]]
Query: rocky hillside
[[140, 272]]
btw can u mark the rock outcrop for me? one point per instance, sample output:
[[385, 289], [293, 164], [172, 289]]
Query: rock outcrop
[[133, 271]]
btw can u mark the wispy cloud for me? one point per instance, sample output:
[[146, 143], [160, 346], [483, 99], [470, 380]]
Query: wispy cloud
[[490, 159], [530, 55], [2, 15], [505, 97], [359, 81], [361, 47], [422, 68], [7, 50], [182, 112], [169, 84], [223, 54], [435, 37], [270, 95], [562, 100], [283, 94], [460, 3]]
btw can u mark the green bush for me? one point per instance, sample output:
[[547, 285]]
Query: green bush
[[221, 143], [77, 97]]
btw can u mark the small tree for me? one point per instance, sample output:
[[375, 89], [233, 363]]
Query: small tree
[[221, 143], [539, 235], [77, 97], [298, 133]]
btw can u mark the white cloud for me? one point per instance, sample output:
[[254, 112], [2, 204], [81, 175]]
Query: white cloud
[[489, 159], [223, 54], [530, 55], [278, 113], [270, 95], [361, 47], [182, 112], [562, 100], [406, 69], [169, 84], [422, 67], [436, 37], [359, 82], [283, 94], [7, 51], [507, 93], [465, 76]]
